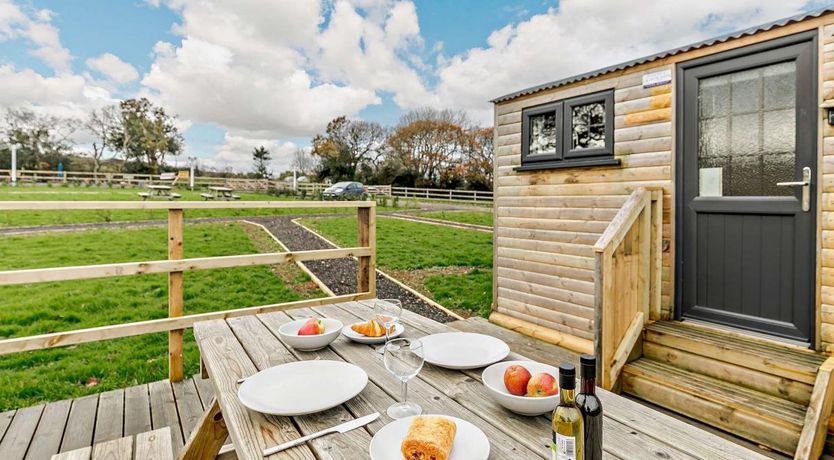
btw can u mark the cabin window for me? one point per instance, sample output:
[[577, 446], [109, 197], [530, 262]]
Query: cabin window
[[572, 132]]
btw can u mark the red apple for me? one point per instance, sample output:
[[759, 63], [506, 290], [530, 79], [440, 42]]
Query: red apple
[[515, 379], [542, 385], [313, 326]]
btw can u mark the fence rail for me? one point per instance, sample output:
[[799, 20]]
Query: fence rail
[[175, 265], [239, 184]]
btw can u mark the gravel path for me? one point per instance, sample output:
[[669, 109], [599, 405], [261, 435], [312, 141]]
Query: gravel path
[[340, 274]]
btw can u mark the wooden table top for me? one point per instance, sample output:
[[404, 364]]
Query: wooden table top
[[220, 189], [239, 347], [159, 187]]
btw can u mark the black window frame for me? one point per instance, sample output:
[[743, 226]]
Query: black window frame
[[607, 99], [526, 114], [564, 156]]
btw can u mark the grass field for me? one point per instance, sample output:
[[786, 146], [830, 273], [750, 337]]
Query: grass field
[[451, 266], [465, 217], [36, 218], [28, 378]]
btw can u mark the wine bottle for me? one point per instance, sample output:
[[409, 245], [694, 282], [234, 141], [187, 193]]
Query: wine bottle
[[590, 407], [568, 432]]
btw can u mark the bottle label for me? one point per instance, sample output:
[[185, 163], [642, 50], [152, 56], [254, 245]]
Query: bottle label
[[564, 447]]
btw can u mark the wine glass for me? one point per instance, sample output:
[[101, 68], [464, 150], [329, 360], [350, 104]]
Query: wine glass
[[404, 359], [387, 312]]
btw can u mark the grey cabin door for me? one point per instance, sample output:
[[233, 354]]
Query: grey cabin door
[[747, 129]]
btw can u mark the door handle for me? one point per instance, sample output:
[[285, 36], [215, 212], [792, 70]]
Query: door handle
[[805, 183]]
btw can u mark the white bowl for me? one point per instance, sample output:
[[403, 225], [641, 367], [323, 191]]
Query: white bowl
[[289, 334], [493, 378]]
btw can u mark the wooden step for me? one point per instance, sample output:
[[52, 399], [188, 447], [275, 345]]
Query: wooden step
[[782, 360], [759, 417], [773, 385]]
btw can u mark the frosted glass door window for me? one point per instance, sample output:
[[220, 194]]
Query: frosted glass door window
[[747, 127]]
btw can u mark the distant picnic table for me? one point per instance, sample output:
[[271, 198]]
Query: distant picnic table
[[220, 193], [162, 190]]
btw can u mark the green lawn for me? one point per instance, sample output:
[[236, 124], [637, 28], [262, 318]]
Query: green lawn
[[464, 217], [28, 378], [40, 193], [424, 249], [406, 245]]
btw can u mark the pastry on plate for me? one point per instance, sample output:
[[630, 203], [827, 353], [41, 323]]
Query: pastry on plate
[[429, 438], [371, 328]]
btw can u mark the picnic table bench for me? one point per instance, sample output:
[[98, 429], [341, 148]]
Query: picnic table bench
[[220, 193], [162, 190], [239, 347]]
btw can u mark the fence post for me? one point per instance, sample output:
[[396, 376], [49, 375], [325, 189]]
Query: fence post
[[366, 266], [175, 294]]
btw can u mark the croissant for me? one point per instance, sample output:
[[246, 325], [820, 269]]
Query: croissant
[[370, 329], [429, 438]]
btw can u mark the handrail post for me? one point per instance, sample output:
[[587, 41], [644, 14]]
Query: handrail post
[[175, 294], [366, 266]]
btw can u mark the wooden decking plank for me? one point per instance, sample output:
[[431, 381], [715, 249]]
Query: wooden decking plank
[[47, 439], [265, 350], [80, 424], [189, 407], [114, 449], [204, 389], [5, 420], [78, 454], [154, 445], [137, 410], [110, 416], [530, 347], [19, 434], [164, 411]]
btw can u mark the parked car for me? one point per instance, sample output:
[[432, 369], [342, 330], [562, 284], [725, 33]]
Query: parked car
[[344, 191]]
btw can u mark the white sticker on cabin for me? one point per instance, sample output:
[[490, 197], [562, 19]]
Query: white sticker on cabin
[[712, 182], [657, 78]]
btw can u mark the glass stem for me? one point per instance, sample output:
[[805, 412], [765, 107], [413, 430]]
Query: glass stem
[[405, 391]]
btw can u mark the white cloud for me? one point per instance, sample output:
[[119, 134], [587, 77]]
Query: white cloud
[[584, 35], [236, 153], [113, 68], [34, 26]]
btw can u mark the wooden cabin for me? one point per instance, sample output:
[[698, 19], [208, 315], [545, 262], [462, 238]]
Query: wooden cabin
[[675, 215]]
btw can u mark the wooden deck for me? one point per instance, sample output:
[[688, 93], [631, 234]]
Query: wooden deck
[[38, 432]]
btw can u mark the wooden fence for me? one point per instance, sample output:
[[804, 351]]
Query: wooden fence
[[441, 194], [628, 271], [175, 265]]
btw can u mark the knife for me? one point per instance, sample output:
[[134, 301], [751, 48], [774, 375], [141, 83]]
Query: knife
[[343, 428]]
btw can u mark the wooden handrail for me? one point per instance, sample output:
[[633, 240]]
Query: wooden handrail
[[627, 281], [175, 265]]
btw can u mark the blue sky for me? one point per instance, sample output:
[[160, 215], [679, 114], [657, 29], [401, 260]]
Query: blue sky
[[241, 74]]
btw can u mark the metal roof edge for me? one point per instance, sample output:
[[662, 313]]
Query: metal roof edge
[[663, 54]]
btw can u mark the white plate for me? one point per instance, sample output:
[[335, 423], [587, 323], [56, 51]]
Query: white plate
[[470, 442], [357, 337], [302, 387], [463, 350]]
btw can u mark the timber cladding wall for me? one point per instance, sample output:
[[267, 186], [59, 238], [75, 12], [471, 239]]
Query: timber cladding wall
[[826, 202], [546, 222]]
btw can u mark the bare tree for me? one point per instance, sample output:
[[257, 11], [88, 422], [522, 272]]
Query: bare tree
[[44, 140], [303, 161], [101, 123]]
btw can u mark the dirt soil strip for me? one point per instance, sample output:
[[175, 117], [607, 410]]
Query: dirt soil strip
[[340, 274]]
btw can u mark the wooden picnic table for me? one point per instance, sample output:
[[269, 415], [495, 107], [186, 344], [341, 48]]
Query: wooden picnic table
[[222, 192], [239, 347]]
